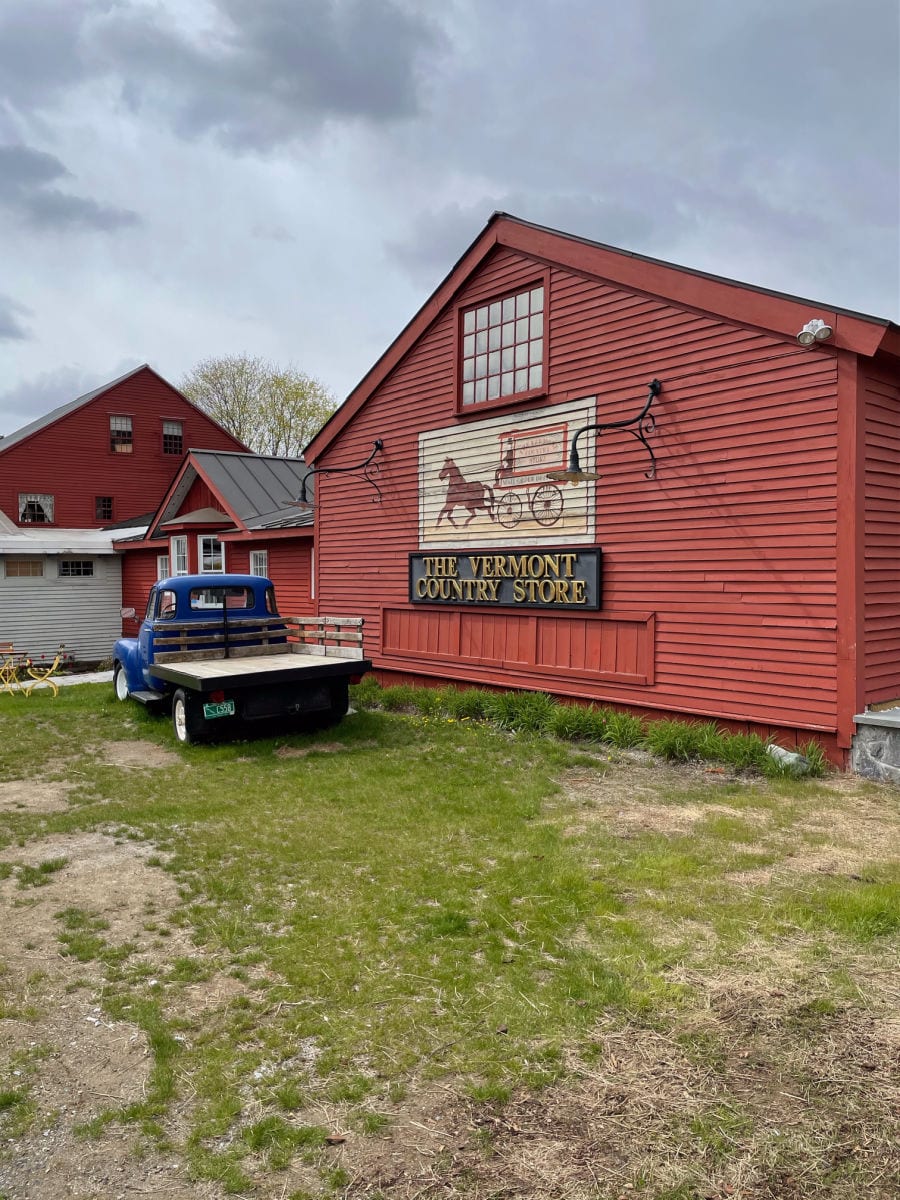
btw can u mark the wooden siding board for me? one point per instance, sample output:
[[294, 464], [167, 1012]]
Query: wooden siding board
[[881, 537]]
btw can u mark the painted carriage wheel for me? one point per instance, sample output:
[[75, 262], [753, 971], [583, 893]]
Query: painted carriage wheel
[[547, 504], [509, 510]]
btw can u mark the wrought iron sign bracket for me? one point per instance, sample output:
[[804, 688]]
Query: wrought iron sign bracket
[[367, 468], [640, 426]]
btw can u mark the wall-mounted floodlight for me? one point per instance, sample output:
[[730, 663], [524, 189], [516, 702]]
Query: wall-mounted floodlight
[[814, 331]]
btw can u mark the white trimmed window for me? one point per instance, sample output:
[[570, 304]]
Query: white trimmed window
[[210, 555], [35, 508], [178, 554], [121, 436], [172, 437], [259, 563], [503, 348], [162, 566]]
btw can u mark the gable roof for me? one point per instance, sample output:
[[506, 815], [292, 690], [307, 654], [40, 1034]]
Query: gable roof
[[255, 491], [56, 414], [776, 312]]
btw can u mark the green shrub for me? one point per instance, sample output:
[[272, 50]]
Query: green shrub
[[744, 751], [469, 703], [525, 712], [366, 694], [684, 740], [574, 722], [403, 695], [623, 729]]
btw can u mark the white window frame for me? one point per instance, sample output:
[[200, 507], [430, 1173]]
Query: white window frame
[[120, 424], [162, 566], [45, 500], [178, 554], [202, 554], [259, 563]]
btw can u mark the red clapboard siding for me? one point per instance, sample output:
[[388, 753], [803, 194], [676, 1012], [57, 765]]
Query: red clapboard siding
[[138, 577], [71, 459], [881, 586], [719, 575]]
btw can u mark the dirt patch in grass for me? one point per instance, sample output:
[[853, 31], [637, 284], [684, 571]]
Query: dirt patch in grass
[[305, 751], [136, 756], [58, 1048], [34, 795]]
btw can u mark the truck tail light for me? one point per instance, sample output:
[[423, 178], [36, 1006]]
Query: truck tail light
[[216, 697]]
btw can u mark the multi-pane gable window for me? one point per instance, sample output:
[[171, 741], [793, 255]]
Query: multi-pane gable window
[[173, 437], [103, 508], [75, 568], [35, 508], [503, 347], [120, 435]]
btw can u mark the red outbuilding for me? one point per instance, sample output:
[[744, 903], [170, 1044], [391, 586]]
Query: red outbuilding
[[730, 550], [105, 458]]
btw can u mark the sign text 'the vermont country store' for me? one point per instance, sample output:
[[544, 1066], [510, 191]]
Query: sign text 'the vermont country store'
[[558, 579]]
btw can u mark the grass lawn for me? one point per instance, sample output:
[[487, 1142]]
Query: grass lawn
[[415, 956]]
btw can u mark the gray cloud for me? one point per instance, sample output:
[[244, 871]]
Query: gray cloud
[[437, 237], [274, 70], [41, 393], [42, 48], [25, 176], [10, 328]]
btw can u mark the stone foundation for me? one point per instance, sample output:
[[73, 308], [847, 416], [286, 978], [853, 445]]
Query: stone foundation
[[875, 753]]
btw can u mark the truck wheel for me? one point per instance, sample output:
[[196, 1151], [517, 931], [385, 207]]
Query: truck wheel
[[120, 682], [186, 721]]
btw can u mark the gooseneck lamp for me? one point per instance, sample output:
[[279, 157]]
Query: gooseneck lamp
[[640, 426]]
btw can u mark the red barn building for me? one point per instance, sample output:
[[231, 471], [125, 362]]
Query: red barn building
[[105, 458], [753, 578]]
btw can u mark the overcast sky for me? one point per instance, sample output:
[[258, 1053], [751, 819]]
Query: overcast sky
[[181, 179]]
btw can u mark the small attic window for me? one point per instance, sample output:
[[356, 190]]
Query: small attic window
[[503, 355]]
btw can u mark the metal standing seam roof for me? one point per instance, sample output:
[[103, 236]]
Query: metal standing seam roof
[[257, 488]]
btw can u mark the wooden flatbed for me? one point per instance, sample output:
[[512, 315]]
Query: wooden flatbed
[[252, 670]]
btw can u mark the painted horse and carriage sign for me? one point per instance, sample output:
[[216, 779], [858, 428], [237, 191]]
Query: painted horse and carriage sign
[[488, 482]]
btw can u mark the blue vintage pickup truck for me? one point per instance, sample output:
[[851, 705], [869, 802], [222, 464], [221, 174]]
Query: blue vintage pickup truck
[[215, 650]]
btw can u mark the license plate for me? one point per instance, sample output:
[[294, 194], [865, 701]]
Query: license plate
[[223, 709]]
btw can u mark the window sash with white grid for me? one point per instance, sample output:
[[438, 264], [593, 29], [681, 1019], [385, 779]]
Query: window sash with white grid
[[503, 348]]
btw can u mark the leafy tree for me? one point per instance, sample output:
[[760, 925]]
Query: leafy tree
[[273, 410]]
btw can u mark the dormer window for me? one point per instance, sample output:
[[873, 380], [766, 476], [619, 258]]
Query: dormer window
[[503, 343]]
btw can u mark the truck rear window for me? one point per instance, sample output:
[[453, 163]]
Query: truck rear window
[[202, 599]]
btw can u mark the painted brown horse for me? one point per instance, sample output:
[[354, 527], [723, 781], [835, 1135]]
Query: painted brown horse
[[464, 493]]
